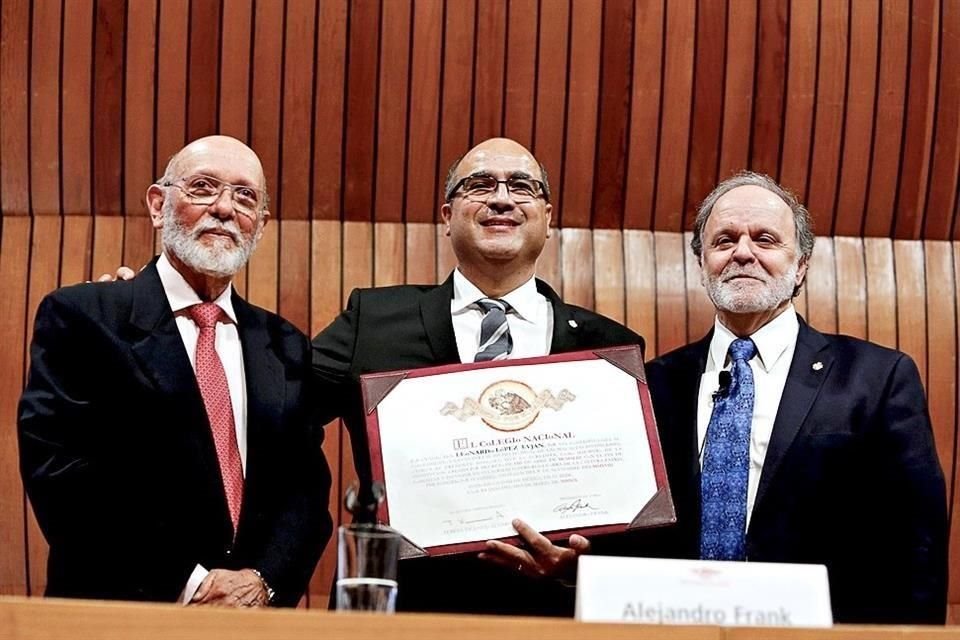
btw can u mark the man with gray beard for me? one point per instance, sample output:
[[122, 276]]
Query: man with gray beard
[[784, 444], [165, 439]]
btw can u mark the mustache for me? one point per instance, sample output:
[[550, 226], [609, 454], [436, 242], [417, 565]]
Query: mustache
[[210, 224], [735, 270]]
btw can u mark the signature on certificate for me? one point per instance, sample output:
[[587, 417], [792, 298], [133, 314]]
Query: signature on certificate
[[574, 506]]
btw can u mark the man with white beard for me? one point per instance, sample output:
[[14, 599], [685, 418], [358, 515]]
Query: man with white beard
[[165, 439], [784, 444]]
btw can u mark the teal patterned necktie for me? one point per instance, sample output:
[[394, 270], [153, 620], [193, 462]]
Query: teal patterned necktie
[[726, 463]]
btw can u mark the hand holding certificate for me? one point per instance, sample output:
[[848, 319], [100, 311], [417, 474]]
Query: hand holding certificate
[[567, 443]]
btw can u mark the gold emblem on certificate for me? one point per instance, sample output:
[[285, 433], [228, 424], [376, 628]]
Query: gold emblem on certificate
[[508, 405]]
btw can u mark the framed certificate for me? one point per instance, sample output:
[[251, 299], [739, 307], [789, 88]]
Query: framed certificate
[[568, 443]]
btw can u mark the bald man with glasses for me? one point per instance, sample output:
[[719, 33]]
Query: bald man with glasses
[[497, 214]]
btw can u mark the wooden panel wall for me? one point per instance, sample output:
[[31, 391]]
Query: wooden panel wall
[[900, 293], [637, 107], [357, 107]]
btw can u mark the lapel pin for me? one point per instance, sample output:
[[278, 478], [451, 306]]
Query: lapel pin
[[817, 365], [572, 323]]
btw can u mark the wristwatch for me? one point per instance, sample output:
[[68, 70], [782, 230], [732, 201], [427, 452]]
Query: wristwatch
[[271, 594]]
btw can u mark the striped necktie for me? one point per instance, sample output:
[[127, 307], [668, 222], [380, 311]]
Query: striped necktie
[[495, 340], [726, 463]]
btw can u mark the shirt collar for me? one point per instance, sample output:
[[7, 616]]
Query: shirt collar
[[181, 295], [772, 340], [523, 299]]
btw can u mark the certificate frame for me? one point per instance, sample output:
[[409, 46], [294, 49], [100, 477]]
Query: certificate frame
[[659, 509]]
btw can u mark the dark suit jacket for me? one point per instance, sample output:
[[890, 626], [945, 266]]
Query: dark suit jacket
[[850, 480], [119, 462], [407, 327]]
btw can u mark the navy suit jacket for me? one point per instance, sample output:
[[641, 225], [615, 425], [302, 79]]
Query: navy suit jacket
[[851, 477], [407, 327], [119, 463]]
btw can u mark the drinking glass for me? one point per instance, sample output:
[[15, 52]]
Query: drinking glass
[[367, 557]]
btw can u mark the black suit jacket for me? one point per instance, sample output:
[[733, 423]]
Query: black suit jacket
[[851, 477], [119, 462], [407, 327]]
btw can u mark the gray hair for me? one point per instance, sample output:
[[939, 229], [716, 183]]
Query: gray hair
[[451, 180], [801, 217]]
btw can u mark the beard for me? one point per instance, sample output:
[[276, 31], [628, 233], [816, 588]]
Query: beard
[[736, 296], [221, 259]]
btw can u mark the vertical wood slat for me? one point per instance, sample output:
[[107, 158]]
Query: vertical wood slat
[[675, 116], [918, 132], [941, 294], [489, 57], [644, 115], [828, 119], [888, 126], [14, 261], [580, 139], [613, 117], [361, 112], [945, 164], [822, 287], [171, 107], [738, 91], [45, 110], [392, 111], [700, 311], [14, 116], [456, 101], [911, 302], [801, 93], [671, 301], [851, 287], [328, 110], [858, 122], [424, 98], [641, 286], [326, 264], [108, 98], [881, 292], [577, 258], [520, 77], [548, 133], [707, 105], [75, 117], [770, 86], [232, 116], [204, 53], [609, 277], [43, 278]]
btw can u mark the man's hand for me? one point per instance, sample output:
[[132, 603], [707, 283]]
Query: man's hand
[[223, 588], [541, 558], [123, 273]]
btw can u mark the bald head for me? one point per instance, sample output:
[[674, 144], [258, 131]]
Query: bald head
[[494, 152], [215, 155]]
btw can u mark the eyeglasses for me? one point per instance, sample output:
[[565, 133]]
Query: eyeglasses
[[481, 187], [205, 190]]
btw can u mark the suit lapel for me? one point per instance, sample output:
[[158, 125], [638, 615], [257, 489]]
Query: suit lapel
[[438, 324], [566, 330], [801, 390], [265, 380], [163, 359], [159, 351]]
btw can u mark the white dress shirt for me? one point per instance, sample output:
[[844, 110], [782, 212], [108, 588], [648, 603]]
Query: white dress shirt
[[776, 342], [530, 319], [181, 297]]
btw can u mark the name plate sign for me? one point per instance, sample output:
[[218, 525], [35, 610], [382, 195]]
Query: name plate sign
[[699, 592]]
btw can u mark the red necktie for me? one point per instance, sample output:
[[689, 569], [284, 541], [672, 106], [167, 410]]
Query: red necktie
[[216, 398]]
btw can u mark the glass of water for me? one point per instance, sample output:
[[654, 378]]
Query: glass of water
[[367, 557]]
